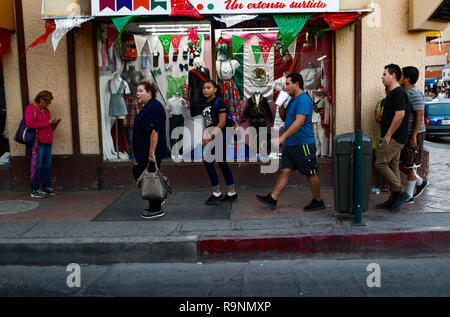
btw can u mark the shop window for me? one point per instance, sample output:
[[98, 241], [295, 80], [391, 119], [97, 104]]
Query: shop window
[[163, 53], [250, 67]]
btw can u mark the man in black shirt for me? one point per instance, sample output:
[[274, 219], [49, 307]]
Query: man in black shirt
[[394, 132]]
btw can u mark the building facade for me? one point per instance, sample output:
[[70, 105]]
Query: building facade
[[77, 74]]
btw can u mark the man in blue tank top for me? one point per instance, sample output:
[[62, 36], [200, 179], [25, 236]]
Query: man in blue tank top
[[299, 151]]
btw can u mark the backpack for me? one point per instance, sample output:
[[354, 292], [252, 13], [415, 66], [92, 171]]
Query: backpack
[[129, 51], [25, 134], [231, 121]]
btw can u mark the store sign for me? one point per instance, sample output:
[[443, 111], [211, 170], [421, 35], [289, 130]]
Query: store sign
[[208, 7], [265, 6]]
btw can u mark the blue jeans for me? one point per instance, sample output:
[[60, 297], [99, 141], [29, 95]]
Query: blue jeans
[[44, 164], [212, 173]]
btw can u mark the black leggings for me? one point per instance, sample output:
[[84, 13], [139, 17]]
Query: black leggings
[[154, 205]]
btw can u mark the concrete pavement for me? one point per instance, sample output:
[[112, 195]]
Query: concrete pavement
[[105, 227]]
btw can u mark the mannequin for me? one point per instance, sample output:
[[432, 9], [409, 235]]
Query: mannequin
[[197, 102], [176, 106], [321, 120], [226, 69], [195, 81], [258, 111], [282, 101], [133, 78], [311, 77], [117, 88]]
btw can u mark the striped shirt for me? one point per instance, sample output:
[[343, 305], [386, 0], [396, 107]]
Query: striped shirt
[[417, 103]]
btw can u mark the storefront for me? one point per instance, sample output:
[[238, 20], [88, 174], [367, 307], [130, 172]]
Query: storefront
[[248, 47]]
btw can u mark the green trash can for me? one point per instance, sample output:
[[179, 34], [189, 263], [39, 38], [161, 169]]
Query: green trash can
[[344, 172]]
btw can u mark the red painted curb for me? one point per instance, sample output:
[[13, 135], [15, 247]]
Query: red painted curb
[[394, 243]]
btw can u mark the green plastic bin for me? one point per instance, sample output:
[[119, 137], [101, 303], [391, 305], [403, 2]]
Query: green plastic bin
[[344, 172]]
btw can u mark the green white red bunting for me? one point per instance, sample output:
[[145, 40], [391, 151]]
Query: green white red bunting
[[266, 47], [236, 43], [290, 26]]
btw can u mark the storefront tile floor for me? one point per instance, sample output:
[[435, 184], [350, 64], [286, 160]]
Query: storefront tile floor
[[185, 205]]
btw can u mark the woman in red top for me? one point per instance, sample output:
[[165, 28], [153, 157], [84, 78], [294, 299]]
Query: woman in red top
[[37, 116]]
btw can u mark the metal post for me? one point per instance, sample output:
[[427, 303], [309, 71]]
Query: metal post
[[357, 204]]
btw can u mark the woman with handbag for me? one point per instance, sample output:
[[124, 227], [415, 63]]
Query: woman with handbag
[[215, 115], [37, 116], [149, 140]]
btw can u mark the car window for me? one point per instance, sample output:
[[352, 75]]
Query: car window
[[439, 109]]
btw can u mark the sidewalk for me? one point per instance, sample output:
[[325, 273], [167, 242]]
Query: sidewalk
[[105, 227]]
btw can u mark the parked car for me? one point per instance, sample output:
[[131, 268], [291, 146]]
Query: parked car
[[437, 117]]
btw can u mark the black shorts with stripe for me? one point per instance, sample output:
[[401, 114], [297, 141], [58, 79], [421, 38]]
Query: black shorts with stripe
[[300, 157]]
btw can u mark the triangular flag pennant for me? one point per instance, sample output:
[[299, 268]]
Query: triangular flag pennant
[[176, 42], [193, 35], [266, 47], [184, 8], [256, 53], [121, 23], [112, 35], [124, 3], [140, 43], [141, 3], [63, 26], [236, 43], [290, 26], [49, 28], [233, 19], [337, 21], [165, 42]]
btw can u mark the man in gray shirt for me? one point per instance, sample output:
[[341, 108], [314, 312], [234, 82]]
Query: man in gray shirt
[[410, 157]]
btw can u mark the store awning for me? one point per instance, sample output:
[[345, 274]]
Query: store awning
[[7, 15], [430, 15]]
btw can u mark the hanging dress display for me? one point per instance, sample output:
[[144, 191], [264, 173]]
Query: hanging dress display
[[229, 89], [117, 106]]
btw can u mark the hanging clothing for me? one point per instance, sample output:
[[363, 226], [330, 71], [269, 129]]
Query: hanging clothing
[[196, 99], [258, 112], [175, 85], [133, 109], [176, 105], [230, 94], [117, 106]]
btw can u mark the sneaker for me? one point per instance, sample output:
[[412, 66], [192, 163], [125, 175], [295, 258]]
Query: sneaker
[[152, 214], [50, 191], [420, 189], [38, 194], [315, 205], [213, 200], [267, 200], [388, 203], [409, 202], [400, 201], [229, 199]]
